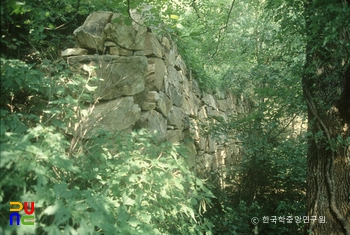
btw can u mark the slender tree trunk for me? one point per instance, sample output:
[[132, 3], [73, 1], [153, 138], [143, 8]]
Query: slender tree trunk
[[326, 85]]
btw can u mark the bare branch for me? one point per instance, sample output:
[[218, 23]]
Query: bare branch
[[223, 28]]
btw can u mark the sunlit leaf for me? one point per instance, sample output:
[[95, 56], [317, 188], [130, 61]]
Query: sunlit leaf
[[175, 17]]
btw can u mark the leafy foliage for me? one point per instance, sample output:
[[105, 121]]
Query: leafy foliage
[[110, 183], [267, 180], [34, 30], [258, 52], [128, 184]]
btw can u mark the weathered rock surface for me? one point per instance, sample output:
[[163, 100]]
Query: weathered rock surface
[[152, 46], [115, 115], [107, 26], [155, 122], [144, 83], [128, 37], [119, 75], [156, 72], [73, 52], [91, 34]]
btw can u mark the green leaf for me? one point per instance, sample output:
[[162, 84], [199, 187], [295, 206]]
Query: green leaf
[[52, 229], [50, 210], [177, 182], [146, 217], [133, 222], [127, 200], [175, 17], [128, 21]]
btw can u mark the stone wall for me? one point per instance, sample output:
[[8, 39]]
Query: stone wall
[[144, 83]]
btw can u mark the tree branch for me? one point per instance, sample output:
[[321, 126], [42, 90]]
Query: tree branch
[[129, 13], [75, 14], [223, 28]]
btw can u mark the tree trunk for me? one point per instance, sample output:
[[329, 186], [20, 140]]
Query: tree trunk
[[326, 86]]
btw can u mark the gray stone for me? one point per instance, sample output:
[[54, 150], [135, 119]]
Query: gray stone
[[148, 106], [209, 100], [166, 44], [219, 159], [114, 51], [112, 48], [110, 44], [170, 58], [182, 78], [139, 53], [192, 153], [175, 117], [152, 96], [120, 75], [115, 115], [194, 129], [202, 143], [164, 104], [185, 85], [202, 113], [174, 136], [222, 105], [175, 96], [139, 98], [155, 123], [173, 77], [152, 46], [231, 104], [125, 52], [74, 52], [190, 105], [128, 37], [91, 34], [156, 71], [195, 88], [208, 159], [212, 112], [211, 145], [180, 64], [174, 48]]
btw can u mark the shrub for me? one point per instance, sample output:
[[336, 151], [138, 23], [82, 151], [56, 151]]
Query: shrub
[[113, 183]]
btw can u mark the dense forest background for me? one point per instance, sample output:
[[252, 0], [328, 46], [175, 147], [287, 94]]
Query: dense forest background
[[289, 58]]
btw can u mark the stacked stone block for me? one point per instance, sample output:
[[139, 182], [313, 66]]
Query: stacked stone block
[[144, 83]]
